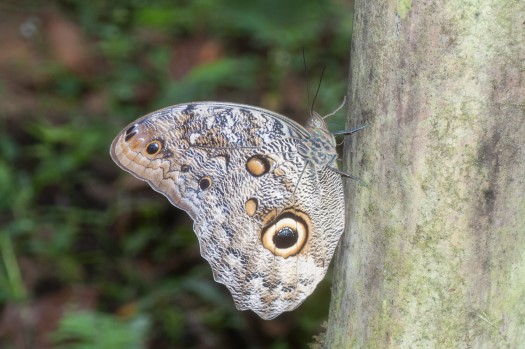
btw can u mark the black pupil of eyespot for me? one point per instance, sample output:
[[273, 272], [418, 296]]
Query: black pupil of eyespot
[[184, 168], [204, 183], [153, 148], [285, 238]]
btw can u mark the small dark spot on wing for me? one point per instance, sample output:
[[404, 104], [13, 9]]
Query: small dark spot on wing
[[131, 129], [130, 135], [189, 108]]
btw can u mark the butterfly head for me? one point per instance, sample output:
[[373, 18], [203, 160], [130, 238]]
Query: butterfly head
[[319, 148]]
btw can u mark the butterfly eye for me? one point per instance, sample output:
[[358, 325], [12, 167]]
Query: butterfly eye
[[153, 147], [287, 235]]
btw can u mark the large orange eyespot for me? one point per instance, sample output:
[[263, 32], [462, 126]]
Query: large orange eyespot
[[287, 234], [153, 147]]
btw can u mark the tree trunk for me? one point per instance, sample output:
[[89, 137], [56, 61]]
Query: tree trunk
[[434, 251]]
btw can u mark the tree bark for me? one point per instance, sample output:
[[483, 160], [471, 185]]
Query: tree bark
[[434, 251]]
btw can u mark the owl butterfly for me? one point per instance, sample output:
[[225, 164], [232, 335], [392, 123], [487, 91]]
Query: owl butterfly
[[264, 193]]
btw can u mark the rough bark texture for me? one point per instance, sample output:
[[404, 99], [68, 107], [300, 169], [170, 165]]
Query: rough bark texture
[[434, 251]]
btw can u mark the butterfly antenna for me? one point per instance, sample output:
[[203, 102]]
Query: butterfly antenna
[[337, 110], [317, 92], [306, 77]]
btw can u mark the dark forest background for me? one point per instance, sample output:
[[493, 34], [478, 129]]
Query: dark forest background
[[90, 256]]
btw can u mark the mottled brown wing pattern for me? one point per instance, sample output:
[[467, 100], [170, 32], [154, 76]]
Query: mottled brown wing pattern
[[267, 211]]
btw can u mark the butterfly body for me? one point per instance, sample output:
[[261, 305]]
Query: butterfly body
[[267, 209]]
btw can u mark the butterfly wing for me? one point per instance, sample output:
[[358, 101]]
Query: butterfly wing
[[267, 219], [169, 147], [272, 257]]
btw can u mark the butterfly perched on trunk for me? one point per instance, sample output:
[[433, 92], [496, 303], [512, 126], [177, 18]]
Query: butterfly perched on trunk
[[264, 193]]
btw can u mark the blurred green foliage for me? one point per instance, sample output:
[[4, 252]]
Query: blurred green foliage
[[76, 331], [69, 217]]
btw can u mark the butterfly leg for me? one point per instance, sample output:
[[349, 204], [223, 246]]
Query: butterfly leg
[[349, 132], [344, 174], [347, 175]]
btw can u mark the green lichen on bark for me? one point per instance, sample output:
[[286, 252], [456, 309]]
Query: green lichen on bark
[[403, 7]]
